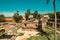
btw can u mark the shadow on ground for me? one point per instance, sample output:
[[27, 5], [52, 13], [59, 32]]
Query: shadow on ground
[[41, 31]]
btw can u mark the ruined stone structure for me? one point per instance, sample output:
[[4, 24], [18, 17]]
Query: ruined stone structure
[[44, 20]]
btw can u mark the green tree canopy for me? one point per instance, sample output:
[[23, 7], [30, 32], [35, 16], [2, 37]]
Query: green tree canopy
[[2, 18], [35, 15], [51, 15], [17, 17], [58, 15], [20, 17]]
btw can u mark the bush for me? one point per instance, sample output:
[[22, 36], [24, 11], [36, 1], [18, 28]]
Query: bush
[[21, 34]]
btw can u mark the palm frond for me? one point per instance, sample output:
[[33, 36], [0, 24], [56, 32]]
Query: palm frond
[[47, 1], [59, 0]]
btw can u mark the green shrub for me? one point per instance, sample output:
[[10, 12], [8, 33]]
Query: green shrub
[[21, 34], [58, 37]]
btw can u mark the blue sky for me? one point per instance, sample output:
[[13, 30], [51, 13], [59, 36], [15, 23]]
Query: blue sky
[[9, 7]]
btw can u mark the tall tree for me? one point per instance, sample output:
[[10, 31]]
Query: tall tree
[[54, 5], [16, 16], [2, 18], [20, 17], [27, 14], [35, 15]]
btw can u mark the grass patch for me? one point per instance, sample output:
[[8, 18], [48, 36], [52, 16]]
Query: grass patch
[[20, 34], [49, 36], [37, 38]]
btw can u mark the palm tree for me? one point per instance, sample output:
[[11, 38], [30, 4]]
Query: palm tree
[[54, 5]]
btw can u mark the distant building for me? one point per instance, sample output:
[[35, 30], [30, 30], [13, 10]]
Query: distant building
[[9, 20]]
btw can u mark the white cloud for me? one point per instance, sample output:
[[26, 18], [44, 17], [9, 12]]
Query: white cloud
[[10, 14], [7, 14]]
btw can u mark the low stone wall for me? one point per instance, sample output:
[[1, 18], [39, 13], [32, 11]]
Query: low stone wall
[[52, 24]]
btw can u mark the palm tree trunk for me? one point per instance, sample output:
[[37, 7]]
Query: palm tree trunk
[[55, 34]]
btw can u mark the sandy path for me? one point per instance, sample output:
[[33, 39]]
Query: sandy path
[[27, 34]]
